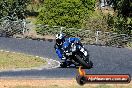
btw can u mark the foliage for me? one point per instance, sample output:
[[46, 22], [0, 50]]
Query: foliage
[[97, 22], [129, 45], [13, 7], [35, 5], [51, 30], [68, 13], [12, 12], [120, 24], [122, 6]]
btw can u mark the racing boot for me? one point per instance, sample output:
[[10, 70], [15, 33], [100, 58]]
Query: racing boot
[[65, 63]]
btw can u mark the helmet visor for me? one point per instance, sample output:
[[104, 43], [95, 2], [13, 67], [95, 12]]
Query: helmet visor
[[59, 41]]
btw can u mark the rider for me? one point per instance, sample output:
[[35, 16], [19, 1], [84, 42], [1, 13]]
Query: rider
[[61, 40]]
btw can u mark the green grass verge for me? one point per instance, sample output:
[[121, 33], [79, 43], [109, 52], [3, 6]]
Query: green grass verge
[[9, 60]]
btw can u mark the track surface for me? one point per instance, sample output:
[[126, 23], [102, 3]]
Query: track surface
[[106, 59]]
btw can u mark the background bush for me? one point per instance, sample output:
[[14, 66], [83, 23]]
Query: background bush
[[66, 13], [13, 7]]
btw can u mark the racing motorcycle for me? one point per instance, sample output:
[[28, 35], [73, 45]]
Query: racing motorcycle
[[77, 55]]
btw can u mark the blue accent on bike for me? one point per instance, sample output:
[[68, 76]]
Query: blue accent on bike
[[65, 44], [72, 40], [77, 39]]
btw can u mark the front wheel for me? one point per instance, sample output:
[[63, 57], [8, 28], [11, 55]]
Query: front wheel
[[84, 61]]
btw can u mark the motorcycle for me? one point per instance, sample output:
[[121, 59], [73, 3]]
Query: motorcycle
[[77, 55]]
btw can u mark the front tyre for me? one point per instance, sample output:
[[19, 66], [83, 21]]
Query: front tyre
[[84, 61]]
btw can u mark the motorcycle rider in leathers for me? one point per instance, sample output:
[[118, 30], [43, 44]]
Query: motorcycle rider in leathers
[[60, 41]]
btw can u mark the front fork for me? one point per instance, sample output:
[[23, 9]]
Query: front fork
[[83, 50]]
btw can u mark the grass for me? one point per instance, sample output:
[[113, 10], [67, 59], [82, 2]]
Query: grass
[[52, 86], [103, 86], [9, 60], [129, 45], [54, 83], [56, 86]]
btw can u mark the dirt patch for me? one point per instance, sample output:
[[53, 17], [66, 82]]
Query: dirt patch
[[54, 83]]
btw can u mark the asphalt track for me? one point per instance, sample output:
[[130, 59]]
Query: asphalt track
[[107, 60]]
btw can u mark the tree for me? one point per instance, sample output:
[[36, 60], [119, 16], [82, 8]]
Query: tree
[[68, 13], [122, 6], [123, 22]]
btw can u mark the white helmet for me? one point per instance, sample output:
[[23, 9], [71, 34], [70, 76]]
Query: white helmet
[[59, 38]]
